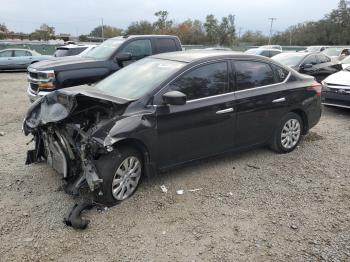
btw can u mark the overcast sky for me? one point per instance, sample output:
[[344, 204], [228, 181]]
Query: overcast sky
[[81, 16]]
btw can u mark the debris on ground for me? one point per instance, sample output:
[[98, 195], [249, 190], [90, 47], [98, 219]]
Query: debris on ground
[[180, 192], [253, 166], [2, 133], [163, 188], [194, 190]]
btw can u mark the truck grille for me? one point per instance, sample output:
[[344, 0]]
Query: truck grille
[[33, 75], [34, 87]]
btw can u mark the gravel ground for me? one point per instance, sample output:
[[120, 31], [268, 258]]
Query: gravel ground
[[252, 206]]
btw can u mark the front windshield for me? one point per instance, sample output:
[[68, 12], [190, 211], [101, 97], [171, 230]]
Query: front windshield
[[106, 49], [289, 59], [332, 51], [346, 60], [137, 79]]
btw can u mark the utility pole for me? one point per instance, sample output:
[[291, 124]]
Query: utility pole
[[103, 36], [272, 19], [290, 38]]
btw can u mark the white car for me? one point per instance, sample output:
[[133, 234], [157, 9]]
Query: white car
[[336, 89], [346, 62]]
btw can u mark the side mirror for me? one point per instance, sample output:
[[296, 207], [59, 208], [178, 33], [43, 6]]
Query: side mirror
[[175, 98], [123, 57], [306, 66]]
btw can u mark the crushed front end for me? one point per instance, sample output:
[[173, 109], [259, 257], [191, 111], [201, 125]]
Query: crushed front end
[[69, 130]]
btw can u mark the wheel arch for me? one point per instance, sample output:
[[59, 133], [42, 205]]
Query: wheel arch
[[139, 146], [300, 112]]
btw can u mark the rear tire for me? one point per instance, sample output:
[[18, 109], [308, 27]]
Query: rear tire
[[288, 134], [121, 171]]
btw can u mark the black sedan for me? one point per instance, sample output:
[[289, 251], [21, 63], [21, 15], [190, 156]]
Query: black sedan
[[166, 110], [314, 64]]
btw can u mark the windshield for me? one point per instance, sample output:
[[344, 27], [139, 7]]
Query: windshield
[[346, 60], [332, 51], [289, 59], [254, 51], [106, 49], [137, 79]]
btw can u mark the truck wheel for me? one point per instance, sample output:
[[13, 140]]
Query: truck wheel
[[121, 171], [288, 134]]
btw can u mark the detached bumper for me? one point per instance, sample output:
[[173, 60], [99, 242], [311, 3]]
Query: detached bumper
[[33, 95]]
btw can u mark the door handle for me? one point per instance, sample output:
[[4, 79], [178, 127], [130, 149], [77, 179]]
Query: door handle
[[225, 111], [279, 100]]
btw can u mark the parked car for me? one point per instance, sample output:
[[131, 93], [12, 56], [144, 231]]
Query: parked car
[[263, 52], [15, 58], [315, 49], [104, 60], [72, 50], [345, 62], [336, 89], [314, 64], [278, 47], [337, 53], [219, 48], [166, 110]]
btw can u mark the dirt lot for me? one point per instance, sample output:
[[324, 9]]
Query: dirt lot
[[252, 206]]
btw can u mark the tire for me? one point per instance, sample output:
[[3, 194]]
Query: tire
[[121, 172], [288, 134]]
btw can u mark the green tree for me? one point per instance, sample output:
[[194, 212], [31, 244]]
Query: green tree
[[140, 28], [108, 31], [45, 32], [163, 25]]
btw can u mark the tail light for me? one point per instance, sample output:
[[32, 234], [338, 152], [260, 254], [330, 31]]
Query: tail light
[[317, 87]]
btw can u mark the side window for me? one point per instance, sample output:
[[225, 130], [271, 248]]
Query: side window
[[28, 53], [250, 74], [138, 48], [273, 53], [164, 45], [280, 72], [20, 53], [265, 53], [76, 51], [203, 81], [7, 53], [310, 60], [323, 59]]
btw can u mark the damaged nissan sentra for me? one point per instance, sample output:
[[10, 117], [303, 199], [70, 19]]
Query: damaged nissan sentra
[[166, 110]]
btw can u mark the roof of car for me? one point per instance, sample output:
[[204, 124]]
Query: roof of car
[[17, 49], [73, 46], [196, 55]]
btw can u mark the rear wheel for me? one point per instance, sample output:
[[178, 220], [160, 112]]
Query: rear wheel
[[288, 134], [121, 172]]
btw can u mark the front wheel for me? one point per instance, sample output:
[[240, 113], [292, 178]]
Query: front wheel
[[288, 134], [121, 172]]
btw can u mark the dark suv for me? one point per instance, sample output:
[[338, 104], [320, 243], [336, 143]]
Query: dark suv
[[166, 110], [100, 62]]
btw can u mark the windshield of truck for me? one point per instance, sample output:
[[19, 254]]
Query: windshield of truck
[[135, 80], [106, 49]]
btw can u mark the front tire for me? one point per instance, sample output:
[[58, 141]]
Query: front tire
[[288, 134], [121, 171]]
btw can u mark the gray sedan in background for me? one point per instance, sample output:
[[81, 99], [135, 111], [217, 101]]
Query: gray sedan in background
[[11, 59]]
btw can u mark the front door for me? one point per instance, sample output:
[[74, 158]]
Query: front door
[[205, 124]]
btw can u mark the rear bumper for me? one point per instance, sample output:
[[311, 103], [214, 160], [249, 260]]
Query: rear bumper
[[337, 99], [35, 95]]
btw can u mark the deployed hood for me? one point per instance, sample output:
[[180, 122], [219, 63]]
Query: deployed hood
[[65, 63], [60, 104], [340, 78]]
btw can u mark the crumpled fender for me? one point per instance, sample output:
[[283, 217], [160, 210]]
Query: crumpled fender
[[129, 127]]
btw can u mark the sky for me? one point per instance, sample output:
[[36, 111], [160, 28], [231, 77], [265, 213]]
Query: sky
[[81, 16]]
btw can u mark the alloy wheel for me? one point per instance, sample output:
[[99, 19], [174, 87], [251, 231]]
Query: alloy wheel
[[290, 134]]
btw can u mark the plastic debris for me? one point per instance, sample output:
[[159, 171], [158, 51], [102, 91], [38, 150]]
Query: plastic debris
[[194, 190], [163, 188], [180, 192]]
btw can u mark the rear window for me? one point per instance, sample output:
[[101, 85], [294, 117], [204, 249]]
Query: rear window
[[280, 72], [164, 45]]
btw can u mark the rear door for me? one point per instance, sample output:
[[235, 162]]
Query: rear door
[[164, 45], [261, 100], [205, 124], [6, 59], [22, 59]]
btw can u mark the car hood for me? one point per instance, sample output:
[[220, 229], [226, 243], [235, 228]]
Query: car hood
[[65, 63], [60, 104], [340, 78]]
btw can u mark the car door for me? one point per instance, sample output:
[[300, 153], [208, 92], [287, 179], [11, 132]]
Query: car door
[[21, 59], [6, 59], [326, 67], [138, 48], [205, 124], [314, 70], [260, 98]]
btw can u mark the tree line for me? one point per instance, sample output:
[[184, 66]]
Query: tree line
[[333, 29]]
